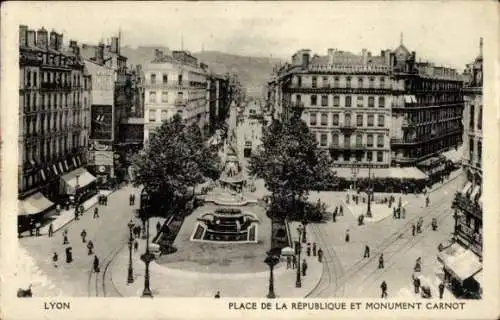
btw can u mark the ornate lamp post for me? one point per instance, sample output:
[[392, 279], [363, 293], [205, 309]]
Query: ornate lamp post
[[130, 278], [369, 192], [271, 260], [298, 282], [147, 257], [304, 234]]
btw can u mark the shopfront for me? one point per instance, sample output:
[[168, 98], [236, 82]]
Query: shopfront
[[33, 209], [79, 183], [463, 270]]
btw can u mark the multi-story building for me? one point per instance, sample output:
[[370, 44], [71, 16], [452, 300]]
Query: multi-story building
[[426, 111], [386, 110], [53, 121], [175, 83], [463, 261], [347, 102], [218, 99]]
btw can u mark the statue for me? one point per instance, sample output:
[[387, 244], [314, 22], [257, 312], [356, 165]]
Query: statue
[[232, 165]]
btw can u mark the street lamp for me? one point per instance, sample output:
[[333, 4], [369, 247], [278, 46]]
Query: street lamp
[[147, 257], [369, 209], [130, 278], [304, 234], [355, 171], [271, 260], [298, 248]]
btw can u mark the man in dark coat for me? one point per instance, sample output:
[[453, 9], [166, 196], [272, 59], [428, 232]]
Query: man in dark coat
[[416, 284], [90, 247], [441, 290], [51, 230], [367, 252], [83, 234], [304, 267], [96, 213], [320, 255], [314, 249], [383, 287], [96, 264], [308, 250], [381, 261]]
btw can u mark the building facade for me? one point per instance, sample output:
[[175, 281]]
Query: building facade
[[54, 100], [467, 205], [175, 83], [218, 99], [382, 110]]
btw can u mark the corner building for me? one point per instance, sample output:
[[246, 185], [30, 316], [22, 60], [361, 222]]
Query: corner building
[[54, 102]]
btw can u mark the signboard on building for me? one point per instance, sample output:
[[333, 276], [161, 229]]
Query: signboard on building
[[103, 158], [101, 127]]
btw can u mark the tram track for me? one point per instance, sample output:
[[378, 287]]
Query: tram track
[[325, 288]]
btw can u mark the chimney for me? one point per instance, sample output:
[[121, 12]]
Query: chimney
[[114, 45], [59, 42], [330, 55], [158, 54], [306, 55], [31, 41], [99, 53], [53, 40], [23, 35], [365, 57], [42, 38]]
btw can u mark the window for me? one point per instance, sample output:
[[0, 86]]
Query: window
[[312, 118], [380, 140], [336, 82], [299, 99], [347, 140], [348, 82], [28, 79], [382, 82], [371, 102], [359, 139], [369, 156], [152, 115], [152, 97], [164, 96], [336, 101], [335, 119], [35, 76], [360, 82], [359, 120], [324, 119], [372, 82], [369, 140], [471, 149], [381, 120], [479, 152], [347, 120], [370, 120], [480, 118], [323, 139], [380, 156], [314, 82], [359, 101], [325, 82], [314, 100], [153, 78], [179, 79], [164, 115], [348, 101], [381, 102], [165, 79], [324, 100], [299, 81], [335, 139]]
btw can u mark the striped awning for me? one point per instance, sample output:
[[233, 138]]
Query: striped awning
[[462, 263], [475, 192], [466, 189]]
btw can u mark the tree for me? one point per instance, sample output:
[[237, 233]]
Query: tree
[[174, 160], [290, 163]]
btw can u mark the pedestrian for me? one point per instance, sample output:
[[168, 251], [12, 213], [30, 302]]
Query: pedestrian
[[320, 255], [367, 252], [334, 215], [416, 284], [288, 262], [294, 262], [51, 230], [347, 237], [441, 290], [413, 229], [105, 200], [90, 247], [341, 211], [427, 201], [308, 250], [96, 264], [38, 225], [76, 214], [383, 286], [304, 267], [96, 212], [418, 264], [69, 255], [217, 295], [394, 212], [381, 261], [158, 227], [136, 245], [55, 257], [314, 249], [130, 200], [65, 238], [83, 234]]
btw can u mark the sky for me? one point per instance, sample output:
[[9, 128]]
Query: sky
[[445, 32]]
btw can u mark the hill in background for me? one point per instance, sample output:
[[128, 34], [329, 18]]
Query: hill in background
[[253, 72]]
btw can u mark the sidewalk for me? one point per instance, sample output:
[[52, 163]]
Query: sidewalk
[[167, 281]]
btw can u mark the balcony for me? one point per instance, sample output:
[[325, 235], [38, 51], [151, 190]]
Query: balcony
[[55, 86], [180, 102], [471, 239], [347, 128], [463, 203], [357, 146], [423, 139]]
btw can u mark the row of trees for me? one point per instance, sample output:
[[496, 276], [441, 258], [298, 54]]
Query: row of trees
[[174, 161], [290, 164]]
